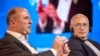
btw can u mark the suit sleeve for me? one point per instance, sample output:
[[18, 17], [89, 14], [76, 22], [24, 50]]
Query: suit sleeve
[[11, 49], [76, 53], [47, 53]]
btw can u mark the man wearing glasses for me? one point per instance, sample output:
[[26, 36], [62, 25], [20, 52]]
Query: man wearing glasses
[[79, 43]]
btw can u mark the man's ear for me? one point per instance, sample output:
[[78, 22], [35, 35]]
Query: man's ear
[[12, 21]]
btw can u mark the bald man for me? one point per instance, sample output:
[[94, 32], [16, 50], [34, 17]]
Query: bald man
[[80, 28], [14, 42]]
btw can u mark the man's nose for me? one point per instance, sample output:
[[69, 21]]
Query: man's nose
[[81, 27], [30, 21]]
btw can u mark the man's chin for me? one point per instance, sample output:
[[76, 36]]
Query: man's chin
[[83, 37], [26, 32]]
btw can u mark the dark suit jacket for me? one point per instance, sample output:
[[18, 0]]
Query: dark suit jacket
[[82, 6], [79, 48], [10, 46]]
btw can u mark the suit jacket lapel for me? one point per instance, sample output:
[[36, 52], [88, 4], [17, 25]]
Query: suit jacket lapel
[[17, 42], [88, 50], [97, 45]]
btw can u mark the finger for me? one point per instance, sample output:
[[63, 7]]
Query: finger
[[65, 48]]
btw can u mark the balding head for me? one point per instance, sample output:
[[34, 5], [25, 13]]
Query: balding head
[[80, 25], [19, 20], [12, 14], [77, 17]]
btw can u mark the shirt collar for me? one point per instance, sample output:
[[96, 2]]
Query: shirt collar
[[17, 35]]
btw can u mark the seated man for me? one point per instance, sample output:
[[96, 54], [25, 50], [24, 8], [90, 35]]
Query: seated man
[[14, 43], [79, 43]]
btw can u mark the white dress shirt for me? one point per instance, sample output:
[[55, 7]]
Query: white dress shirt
[[24, 40], [63, 9]]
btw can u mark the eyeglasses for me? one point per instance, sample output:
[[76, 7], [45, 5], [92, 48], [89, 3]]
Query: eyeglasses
[[81, 25]]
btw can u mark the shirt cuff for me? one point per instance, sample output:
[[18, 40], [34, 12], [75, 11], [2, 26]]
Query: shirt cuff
[[54, 51]]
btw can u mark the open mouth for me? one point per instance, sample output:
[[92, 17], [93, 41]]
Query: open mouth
[[29, 27]]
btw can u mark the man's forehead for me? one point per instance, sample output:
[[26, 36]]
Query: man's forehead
[[79, 18], [80, 21]]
